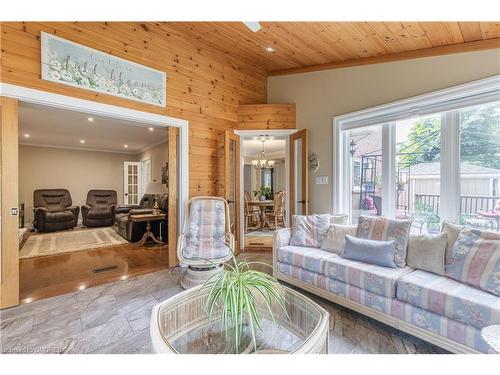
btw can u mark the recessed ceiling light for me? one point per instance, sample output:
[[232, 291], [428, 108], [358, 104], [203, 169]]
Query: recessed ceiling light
[[90, 119], [270, 49], [151, 129], [26, 135], [126, 146], [82, 140]]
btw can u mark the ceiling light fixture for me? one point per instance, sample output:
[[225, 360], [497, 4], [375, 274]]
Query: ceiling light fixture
[[90, 119], [263, 163], [82, 140], [270, 49], [26, 135], [151, 129], [126, 146]]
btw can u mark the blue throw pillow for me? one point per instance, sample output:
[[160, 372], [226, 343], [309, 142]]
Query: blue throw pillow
[[370, 251]]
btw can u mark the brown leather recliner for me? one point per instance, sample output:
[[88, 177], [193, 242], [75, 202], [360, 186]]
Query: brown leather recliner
[[133, 231], [100, 208], [53, 210]]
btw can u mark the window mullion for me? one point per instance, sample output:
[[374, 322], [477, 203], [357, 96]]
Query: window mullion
[[388, 170], [449, 207]]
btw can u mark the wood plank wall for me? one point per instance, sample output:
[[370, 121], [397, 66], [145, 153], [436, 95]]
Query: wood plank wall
[[266, 116], [204, 85]]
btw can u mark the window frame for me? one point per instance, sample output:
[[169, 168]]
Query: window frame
[[448, 102]]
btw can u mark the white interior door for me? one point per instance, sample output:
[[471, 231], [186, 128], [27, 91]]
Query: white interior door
[[131, 182]]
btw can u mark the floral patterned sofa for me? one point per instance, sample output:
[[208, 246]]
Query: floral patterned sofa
[[435, 308]]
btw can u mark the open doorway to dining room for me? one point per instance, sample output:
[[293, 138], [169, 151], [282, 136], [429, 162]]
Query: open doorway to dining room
[[264, 187]]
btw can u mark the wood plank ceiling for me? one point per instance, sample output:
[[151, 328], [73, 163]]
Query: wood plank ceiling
[[303, 46]]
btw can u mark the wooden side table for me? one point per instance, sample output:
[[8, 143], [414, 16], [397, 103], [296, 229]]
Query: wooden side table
[[148, 218]]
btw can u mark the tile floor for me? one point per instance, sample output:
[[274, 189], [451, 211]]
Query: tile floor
[[114, 318]]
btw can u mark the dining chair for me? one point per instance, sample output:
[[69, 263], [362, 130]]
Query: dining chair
[[250, 215], [206, 241], [278, 213]]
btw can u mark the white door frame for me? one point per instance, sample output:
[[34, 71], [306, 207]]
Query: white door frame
[[25, 94], [255, 133]]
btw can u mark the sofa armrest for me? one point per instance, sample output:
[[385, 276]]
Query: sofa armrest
[[281, 238], [124, 209], [141, 211]]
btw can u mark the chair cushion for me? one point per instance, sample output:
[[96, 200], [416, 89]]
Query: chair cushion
[[450, 298], [103, 213], [379, 228], [475, 259], [207, 230], [205, 251], [57, 217], [376, 279], [309, 230]]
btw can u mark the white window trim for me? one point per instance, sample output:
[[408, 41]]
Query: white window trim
[[444, 101]]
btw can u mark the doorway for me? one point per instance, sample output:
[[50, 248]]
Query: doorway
[[177, 170], [268, 180]]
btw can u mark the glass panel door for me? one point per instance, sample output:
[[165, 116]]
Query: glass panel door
[[232, 180], [299, 198], [132, 182]]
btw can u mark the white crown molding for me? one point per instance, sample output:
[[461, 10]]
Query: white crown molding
[[76, 148], [149, 147]]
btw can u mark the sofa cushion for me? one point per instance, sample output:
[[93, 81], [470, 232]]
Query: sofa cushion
[[376, 279], [450, 298], [379, 228], [452, 230], [427, 252], [370, 251], [335, 238], [58, 217], [308, 258], [475, 259], [309, 230]]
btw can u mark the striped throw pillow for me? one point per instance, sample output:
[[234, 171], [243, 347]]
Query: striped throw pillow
[[475, 260], [309, 230], [382, 229]]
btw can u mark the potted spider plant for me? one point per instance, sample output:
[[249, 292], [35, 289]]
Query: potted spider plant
[[234, 295]]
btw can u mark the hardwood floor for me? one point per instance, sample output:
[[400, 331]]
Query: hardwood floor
[[53, 275]]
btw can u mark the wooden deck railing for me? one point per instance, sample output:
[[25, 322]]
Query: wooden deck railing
[[469, 204]]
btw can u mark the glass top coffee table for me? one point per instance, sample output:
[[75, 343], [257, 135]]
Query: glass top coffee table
[[180, 325]]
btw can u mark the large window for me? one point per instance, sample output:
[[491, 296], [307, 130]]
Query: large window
[[430, 158]]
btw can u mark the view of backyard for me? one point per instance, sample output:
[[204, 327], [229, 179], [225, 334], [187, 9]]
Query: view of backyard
[[418, 169]]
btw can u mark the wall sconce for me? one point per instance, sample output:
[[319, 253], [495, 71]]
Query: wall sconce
[[352, 147]]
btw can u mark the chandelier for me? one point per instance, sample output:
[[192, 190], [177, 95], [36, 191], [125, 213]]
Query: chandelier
[[263, 163]]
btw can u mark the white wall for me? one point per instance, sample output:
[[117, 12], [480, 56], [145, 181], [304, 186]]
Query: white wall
[[321, 95], [159, 156]]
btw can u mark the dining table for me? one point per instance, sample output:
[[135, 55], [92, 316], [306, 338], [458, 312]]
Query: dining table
[[262, 205]]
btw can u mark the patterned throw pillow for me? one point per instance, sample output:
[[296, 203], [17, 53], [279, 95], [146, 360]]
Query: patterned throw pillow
[[309, 230], [382, 229], [475, 260]]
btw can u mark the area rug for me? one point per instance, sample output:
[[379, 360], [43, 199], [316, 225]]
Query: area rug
[[43, 244]]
